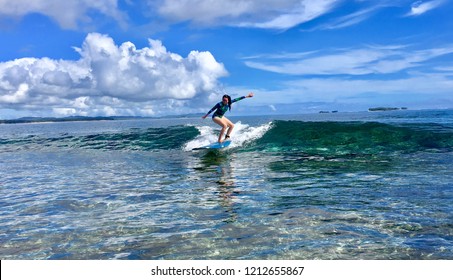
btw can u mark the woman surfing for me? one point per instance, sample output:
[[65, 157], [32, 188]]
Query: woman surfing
[[218, 117]]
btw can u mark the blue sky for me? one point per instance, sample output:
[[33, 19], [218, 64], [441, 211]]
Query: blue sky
[[161, 57]]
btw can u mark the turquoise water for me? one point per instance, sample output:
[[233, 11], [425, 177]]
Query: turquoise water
[[323, 186]]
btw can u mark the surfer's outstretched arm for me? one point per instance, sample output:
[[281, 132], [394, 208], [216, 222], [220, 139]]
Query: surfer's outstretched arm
[[242, 97], [212, 110]]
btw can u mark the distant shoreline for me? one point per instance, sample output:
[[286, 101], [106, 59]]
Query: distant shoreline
[[50, 119], [82, 118], [26, 120]]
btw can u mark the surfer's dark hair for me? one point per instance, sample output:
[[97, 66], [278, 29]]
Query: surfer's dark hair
[[229, 100]]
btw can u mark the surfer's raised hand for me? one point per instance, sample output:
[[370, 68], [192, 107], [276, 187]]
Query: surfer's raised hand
[[250, 95]]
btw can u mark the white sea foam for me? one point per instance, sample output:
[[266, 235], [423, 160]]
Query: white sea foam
[[207, 136], [241, 134]]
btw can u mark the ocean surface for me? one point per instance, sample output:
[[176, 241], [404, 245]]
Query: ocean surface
[[369, 185]]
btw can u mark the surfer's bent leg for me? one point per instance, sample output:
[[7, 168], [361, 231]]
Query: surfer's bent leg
[[230, 127], [223, 124]]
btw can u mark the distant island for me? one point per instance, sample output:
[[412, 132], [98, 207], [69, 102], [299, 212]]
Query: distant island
[[386, 109], [327, 112]]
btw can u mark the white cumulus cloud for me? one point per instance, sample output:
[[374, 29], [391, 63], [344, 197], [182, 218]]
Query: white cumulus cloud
[[109, 79]]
